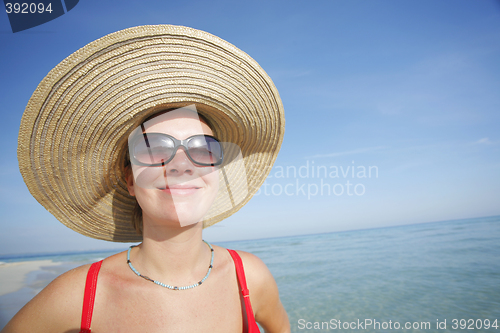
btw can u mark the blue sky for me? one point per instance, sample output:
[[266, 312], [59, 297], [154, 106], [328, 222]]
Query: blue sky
[[410, 89]]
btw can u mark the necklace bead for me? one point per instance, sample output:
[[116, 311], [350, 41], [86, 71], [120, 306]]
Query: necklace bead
[[169, 286]]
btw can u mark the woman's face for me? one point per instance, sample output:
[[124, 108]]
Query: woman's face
[[180, 192]]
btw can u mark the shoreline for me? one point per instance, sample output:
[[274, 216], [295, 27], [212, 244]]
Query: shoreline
[[13, 275]]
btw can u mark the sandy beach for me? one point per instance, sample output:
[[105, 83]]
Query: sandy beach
[[21, 281], [13, 275]]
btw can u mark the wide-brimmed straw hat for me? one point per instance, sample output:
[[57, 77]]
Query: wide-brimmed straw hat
[[73, 134]]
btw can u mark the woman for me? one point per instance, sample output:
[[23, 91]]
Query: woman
[[200, 123]]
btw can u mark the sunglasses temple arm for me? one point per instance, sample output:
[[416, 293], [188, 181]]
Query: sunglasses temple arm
[[163, 165], [147, 143]]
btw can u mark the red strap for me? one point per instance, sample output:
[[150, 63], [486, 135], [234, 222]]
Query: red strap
[[89, 296], [91, 283], [240, 273]]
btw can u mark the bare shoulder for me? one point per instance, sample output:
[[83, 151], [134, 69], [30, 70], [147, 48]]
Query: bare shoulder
[[256, 271], [57, 308], [264, 294], [257, 276]]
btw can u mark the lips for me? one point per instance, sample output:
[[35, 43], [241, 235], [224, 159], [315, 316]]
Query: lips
[[180, 189]]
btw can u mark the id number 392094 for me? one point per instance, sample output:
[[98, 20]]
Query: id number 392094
[[27, 8]]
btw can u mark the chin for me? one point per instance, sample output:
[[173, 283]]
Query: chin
[[190, 211], [181, 215], [190, 217]]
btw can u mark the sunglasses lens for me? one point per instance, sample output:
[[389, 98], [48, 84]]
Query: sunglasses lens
[[153, 149], [205, 150]]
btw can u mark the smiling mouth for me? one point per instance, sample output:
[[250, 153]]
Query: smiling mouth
[[180, 189]]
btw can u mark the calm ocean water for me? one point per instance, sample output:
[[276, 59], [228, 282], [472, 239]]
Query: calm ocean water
[[418, 275]]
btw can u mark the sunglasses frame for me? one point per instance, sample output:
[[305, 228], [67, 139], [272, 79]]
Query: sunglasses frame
[[177, 143]]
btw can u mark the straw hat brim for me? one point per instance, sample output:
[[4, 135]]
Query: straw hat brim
[[73, 134]]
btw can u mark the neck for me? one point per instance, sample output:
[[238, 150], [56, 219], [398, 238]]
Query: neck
[[175, 256]]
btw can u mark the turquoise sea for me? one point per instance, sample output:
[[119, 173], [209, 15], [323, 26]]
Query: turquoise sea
[[432, 277]]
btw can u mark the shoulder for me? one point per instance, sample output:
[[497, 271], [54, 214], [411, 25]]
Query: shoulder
[[256, 271], [56, 308], [260, 281], [68, 281], [66, 289], [264, 294], [257, 275]]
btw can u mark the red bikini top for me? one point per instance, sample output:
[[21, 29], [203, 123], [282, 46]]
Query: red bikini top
[[249, 326]]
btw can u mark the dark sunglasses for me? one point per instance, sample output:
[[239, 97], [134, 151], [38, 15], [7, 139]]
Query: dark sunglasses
[[156, 149]]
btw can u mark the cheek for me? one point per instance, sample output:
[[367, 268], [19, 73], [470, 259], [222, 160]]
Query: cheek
[[142, 197], [211, 179], [147, 177]]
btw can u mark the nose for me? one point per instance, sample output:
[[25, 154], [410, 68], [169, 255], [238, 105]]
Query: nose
[[179, 165]]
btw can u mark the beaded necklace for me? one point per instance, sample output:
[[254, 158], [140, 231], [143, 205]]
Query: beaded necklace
[[166, 285]]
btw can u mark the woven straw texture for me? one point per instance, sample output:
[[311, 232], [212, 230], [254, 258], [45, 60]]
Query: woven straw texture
[[73, 133]]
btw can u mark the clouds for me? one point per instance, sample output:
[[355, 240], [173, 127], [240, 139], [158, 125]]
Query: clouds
[[483, 141]]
